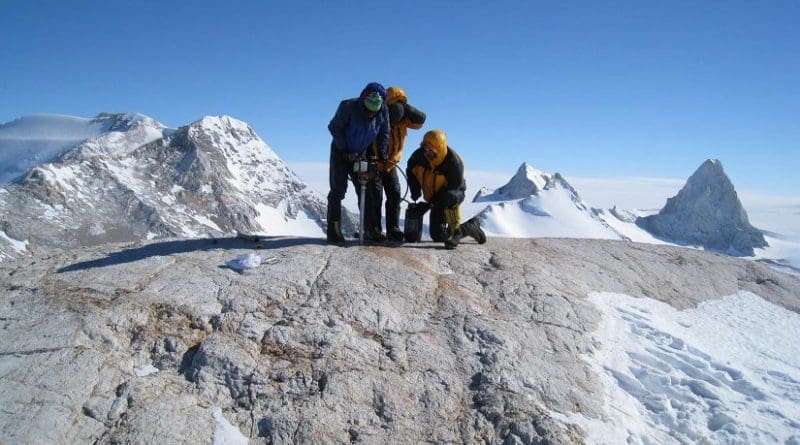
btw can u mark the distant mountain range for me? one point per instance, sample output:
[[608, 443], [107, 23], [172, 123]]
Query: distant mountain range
[[705, 213], [125, 177]]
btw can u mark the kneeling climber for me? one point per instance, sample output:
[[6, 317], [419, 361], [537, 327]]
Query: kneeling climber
[[436, 172]]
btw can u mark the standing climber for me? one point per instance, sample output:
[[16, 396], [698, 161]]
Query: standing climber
[[402, 116], [436, 172], [358, 123]]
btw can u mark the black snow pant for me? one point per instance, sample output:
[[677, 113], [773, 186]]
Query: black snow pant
[[391, 186], [438, 226], [339, 171], [449, 199]]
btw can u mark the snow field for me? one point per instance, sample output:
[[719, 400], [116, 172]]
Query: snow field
[[726, 372]]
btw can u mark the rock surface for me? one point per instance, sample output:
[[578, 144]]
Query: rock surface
[[143, 343], [706, 212]]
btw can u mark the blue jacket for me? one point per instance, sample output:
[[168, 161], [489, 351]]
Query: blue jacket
[[354, 130]]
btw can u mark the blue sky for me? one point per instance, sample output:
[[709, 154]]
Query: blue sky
[[589, 89]]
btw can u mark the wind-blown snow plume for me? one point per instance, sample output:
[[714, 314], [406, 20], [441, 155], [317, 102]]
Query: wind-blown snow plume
[[33, 140]]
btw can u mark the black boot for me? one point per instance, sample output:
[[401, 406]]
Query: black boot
[[452, 242], [395, 234], [473, 228], [393, 223], [335, 233], [374, 235]]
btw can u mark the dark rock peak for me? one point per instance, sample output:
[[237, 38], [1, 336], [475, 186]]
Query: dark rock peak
[[706, 212]]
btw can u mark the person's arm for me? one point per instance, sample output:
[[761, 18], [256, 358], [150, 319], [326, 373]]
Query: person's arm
[[413, 184], [382, 140], [415, 117], [337, 126], [396, 112]]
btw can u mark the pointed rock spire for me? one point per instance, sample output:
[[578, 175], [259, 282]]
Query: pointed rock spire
[[706, 212]]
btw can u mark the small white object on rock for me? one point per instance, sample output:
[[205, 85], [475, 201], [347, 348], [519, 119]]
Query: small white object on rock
[[146, 370], [243, 262]]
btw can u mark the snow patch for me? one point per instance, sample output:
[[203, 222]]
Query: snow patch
[[207, 222], [17, 245], [96, 229], [146, 370], [225, 433]]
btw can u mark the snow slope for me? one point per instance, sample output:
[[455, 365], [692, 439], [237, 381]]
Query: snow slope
[[537, 204], [727, 371], [624, 223]]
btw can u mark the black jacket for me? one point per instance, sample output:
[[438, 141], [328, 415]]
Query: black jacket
[[441, 185]]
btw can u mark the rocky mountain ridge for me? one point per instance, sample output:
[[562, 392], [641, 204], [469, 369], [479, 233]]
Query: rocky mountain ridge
[[156, 342]]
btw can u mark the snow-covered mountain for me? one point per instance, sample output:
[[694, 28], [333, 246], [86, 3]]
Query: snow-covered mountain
[[134, 179], [538, 204], [534, 204], [706, 212]]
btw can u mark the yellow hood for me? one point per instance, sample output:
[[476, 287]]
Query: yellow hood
[[438, 142], [395, 94]]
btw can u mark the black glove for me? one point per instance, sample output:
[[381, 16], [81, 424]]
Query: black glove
[[350, 156], [422, 207]]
